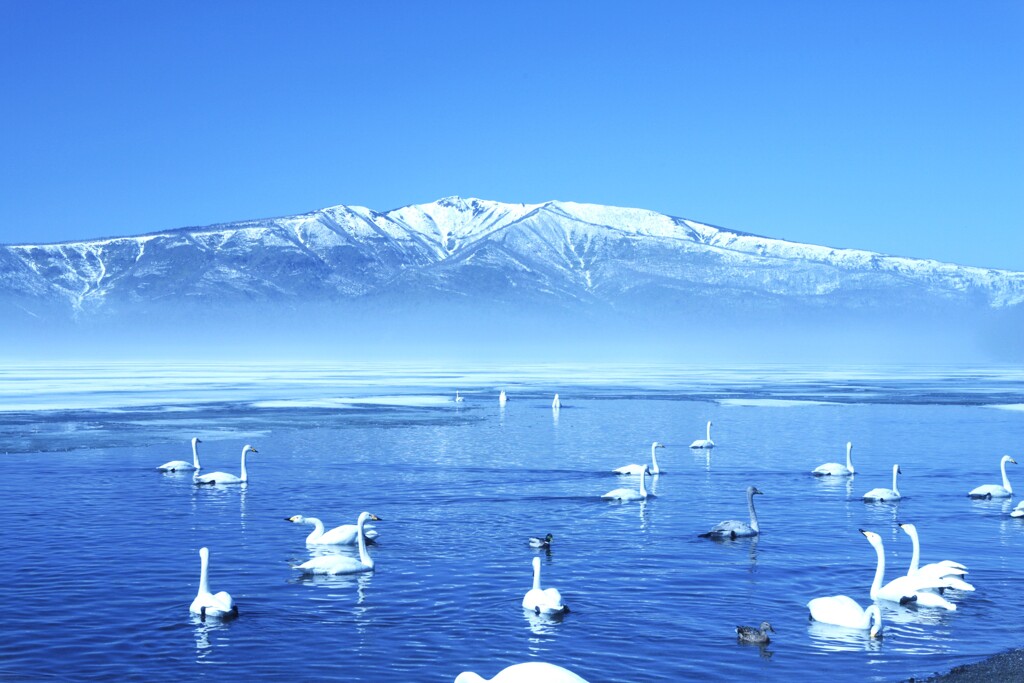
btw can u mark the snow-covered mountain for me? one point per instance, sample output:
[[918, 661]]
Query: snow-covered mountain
[[552, 259]]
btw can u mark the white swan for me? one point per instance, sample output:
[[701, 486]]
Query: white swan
[[458, 399], [704, 443], [638, 469], [734, 528], [556, 404], [502, 398], [183, 465], [224, 477], [994, 490], [903, 589], [834, 469], [946, 571], [883, 495], [1019, 510], [339, 535], [546, 601], [340, 564], [207, 604], [841, 610], [631, 494], [527, 672]]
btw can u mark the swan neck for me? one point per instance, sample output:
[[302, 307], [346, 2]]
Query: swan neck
[[245, 475], [895, 473], [318, 529], [849, 460], [204, 585], [364, 556], [1006, 481], [195, 455], [654, 460], [876, 585], [709, 432], [915, 557], [643, 487], [536, 576], [753, 513]]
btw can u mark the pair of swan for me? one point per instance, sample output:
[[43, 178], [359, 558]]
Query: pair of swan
[[882, 495], [631, 494], [216, 605], [948, 572], [339, 535], [734, 528], [639, 469], [184, 465], [339, 564], [921, 589], [224, 477], [542, 601], [834, 469], [995, 490], [527, 672], [706, 442]]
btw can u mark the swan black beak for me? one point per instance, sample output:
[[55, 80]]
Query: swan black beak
[[862, 531], [375, 518]]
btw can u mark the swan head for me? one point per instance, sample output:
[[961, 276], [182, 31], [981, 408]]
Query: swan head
[[297, 519], [248, 449], [873, 538], [876, 621], [204, 554], [751, 490], [1007, 458], [367, 517], [896, 469], [657, 444], [195, 440], [908, 527]]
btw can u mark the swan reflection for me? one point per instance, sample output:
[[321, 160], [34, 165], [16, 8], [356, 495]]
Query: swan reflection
[[543, 624], [205, 633], [833, 638]]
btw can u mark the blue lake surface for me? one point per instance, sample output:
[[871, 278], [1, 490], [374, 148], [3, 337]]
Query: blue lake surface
[[100, 558]]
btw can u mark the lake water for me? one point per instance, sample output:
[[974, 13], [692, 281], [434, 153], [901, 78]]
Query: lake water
[[100, 556]]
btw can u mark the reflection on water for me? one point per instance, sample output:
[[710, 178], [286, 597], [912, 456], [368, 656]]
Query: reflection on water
[[833, 638], [206, 633], [543, 624]]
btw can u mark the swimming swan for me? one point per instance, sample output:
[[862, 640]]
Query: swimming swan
[[883, 495], [458, 399], [704, 443], [631, 494], [546, 601], [638, 469], [502, 398], [527, 672], [1019, 510], [182, 465], [903, 589], [556, 404], [340, 564], [834, 469], [734, 528], [946, 571], [840, 610], [339, 535], [207, 604], [994, 490], [224, 477]]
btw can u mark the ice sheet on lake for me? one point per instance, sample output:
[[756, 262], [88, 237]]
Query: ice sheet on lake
[[772, 402], [410, 401]]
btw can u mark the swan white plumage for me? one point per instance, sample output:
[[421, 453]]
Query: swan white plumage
[[527, 672], [1019, 510], [638, 469], [542, 601], [631, 494], [184, 465], [339, 535], [882, 495], [556, 404], [502, 398], [340, 564], [733, 528], [834, 469], [207, 604], [946, 571], [995, 490], [903, 589], [841, 610], [224, 477], [458, 399], [704, 443]]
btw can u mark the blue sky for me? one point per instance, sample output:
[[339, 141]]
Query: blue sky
[[888, 126]]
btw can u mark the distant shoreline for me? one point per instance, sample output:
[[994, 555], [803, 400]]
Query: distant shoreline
[[1005, 666]]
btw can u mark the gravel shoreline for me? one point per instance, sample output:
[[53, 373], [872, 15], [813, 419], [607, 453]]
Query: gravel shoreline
[[1005, 666]]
